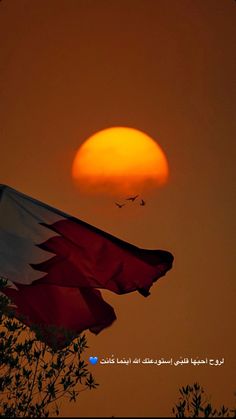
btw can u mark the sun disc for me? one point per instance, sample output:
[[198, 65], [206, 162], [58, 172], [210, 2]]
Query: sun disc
[[120, 160]]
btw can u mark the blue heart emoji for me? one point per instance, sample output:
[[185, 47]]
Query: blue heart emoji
[[93, 360]]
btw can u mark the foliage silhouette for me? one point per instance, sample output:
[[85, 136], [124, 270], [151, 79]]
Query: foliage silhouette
[[193, 402], [34, 376]]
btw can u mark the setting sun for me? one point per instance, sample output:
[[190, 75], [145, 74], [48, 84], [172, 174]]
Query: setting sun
[[120, 160]]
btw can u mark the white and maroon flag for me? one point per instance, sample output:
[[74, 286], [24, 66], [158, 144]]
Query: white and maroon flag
[[55, 265]]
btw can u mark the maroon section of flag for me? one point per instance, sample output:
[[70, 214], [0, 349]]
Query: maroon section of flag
[[72, 309], [56, 265], [87, 257]]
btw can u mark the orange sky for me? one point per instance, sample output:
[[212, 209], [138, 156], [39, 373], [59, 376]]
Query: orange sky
[[71, 68]]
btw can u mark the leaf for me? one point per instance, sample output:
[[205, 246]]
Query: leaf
[[51, 390], [90, 382]]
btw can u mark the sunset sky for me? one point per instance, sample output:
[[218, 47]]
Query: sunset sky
[[70, 68]]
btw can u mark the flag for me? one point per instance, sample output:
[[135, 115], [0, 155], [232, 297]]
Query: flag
[[57, 264]]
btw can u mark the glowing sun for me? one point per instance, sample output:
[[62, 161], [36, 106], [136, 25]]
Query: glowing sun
[[120, 160]]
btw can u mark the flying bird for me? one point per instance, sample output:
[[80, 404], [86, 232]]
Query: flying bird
[[119, 205], [142, 203], [132, 198]]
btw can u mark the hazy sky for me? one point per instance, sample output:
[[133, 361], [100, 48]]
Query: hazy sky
[[69, 68]]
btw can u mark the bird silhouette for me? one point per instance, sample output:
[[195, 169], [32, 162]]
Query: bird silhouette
[[119, 205], [142, 202], [132, 198]]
